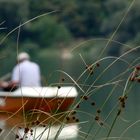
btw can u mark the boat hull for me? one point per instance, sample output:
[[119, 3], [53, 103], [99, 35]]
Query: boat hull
[[48, 99], [15, 104]]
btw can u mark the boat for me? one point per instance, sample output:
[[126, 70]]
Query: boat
[[48, 99]]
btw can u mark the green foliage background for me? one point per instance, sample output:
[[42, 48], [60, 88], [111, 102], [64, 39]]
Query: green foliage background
[[72, 23]]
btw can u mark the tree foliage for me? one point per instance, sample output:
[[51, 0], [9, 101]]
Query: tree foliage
[[48, 32], [72, 19]]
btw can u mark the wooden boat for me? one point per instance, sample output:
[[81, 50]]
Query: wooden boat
[[48, 99]]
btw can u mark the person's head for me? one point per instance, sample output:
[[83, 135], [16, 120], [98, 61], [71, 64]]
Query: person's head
[[23, 56]]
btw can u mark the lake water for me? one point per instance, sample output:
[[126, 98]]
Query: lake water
[[82, 123], [95, 116], [16, 127]]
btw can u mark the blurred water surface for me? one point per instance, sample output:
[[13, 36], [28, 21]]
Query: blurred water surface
[[103, 87]]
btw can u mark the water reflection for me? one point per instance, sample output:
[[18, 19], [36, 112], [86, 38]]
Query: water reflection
[[69, 131], [36, 126]]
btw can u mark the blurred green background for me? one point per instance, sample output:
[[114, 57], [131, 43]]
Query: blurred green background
[[72, 35], [49, 39]]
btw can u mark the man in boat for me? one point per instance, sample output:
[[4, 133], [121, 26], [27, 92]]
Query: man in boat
[[25, 73]]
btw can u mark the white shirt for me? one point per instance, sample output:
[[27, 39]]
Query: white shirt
[[27, 73]]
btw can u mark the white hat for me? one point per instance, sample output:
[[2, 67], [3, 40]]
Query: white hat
[[23, 56]]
